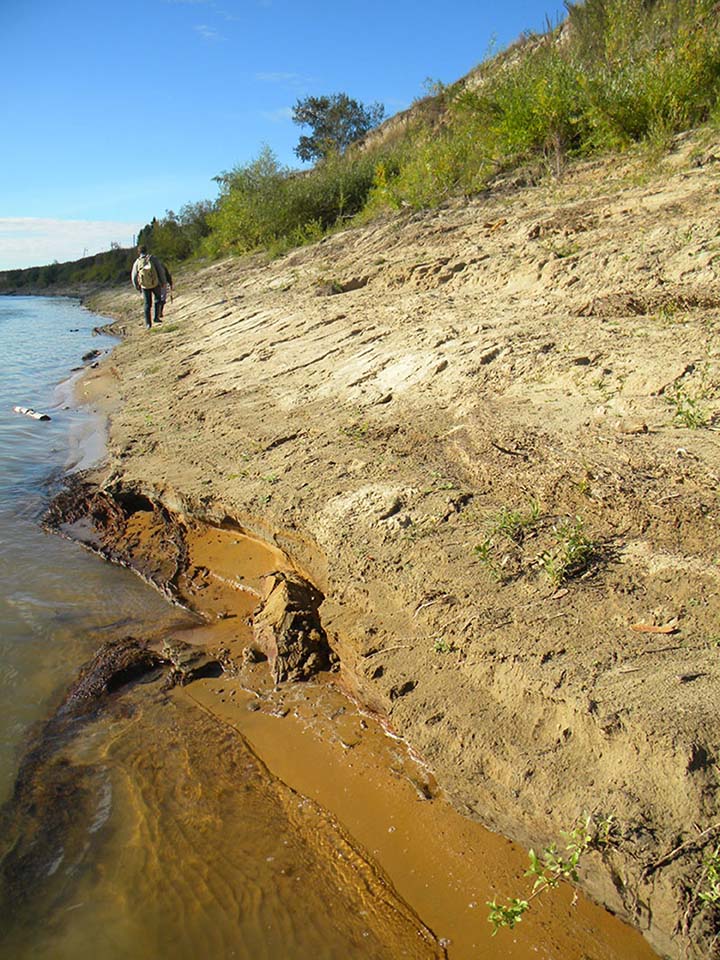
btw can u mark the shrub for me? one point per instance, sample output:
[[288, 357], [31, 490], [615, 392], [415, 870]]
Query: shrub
[[618, 72], [266, 205]]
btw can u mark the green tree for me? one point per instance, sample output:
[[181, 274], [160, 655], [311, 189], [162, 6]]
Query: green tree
[[336, 121]]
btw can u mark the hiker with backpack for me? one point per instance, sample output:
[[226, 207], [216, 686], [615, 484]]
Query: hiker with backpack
[[149, 276]]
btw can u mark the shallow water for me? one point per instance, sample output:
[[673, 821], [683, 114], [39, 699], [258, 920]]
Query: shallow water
[[56, 600], [163, 833], [154, 828]]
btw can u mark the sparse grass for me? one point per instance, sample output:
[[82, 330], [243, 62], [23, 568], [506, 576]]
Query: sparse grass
[[688, 412], [710, 893], [667, 313], [572, 553], [506, 526], [358, 430], [486, 555], [583, 487], [514, 524], [561, 249]]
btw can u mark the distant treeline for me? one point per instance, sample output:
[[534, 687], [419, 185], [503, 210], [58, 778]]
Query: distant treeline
[[613, 75], [102, 269]]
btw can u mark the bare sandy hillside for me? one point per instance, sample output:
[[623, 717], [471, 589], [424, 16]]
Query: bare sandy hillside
[[489, 435]]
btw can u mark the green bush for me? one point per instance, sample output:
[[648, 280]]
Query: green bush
[[266, 205], [617, 72]]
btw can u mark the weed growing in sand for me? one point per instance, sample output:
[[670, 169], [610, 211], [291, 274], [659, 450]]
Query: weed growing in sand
[[356, 431], [444, 483], [711, 891], [688, 412], [513, 524], [510, 526], [551, 867], [583, 487], [442, 646], [572, 554], [486, 556], [561, 250], [667, 312]]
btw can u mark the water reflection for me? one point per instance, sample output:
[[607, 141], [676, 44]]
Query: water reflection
[[177, 841]]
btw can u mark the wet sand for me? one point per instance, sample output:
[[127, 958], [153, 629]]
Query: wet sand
[[320, 744]]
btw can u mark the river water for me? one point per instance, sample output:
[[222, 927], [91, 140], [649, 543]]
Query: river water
[[154, 829]]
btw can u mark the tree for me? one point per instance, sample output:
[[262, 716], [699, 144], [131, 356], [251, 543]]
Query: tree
[[336, 122]]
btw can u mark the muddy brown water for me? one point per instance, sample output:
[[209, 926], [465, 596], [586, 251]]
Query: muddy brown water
[[235, 819]]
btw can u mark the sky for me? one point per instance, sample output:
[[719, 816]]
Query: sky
[[112, 113]]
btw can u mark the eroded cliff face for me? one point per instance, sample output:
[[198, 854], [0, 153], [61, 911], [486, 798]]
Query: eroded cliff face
[[487, 434]]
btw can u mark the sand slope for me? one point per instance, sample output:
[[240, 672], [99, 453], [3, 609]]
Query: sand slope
[[378, 405]]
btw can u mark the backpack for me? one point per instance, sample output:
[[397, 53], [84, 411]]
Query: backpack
[[147, 274]]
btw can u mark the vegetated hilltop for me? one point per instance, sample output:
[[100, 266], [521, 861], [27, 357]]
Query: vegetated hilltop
[[489, 433], [616, 73]]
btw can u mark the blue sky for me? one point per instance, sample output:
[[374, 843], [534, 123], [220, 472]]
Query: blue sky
[[113, 113]]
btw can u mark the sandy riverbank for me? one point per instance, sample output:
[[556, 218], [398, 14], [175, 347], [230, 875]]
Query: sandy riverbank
[[379, 405]]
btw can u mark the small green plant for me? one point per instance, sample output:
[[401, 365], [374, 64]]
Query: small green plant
[[711, 891], [507, 525], [562, 250], [356, 431], [513, 524], [441, 645], [486, 555], [572, 554], [445, 483], [688, 411], [551, 867], [583, 487], [506, 914], [667, 312]]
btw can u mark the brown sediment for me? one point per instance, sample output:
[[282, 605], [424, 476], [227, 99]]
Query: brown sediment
[[377, 437], [62, 796], [316, 740]]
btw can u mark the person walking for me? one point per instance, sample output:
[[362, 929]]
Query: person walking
[[149, 276]]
